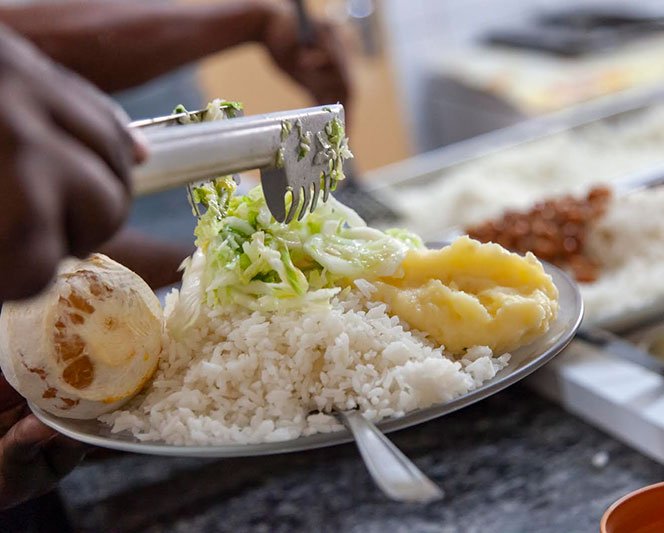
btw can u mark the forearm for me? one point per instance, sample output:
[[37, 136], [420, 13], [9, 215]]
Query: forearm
[[157, 262], [118, 45]]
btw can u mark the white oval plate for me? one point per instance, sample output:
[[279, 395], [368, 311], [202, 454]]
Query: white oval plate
[[524, 361]]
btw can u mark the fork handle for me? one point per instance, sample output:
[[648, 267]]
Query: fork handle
[[198, 151], [182, 155], [392, 471]]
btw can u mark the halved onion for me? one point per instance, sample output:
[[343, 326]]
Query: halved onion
[[87, 344]]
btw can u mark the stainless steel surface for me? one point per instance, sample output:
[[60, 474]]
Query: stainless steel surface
[[183, 118], [619, 347], [391, 470], [199, 151], [368, 204], [653, 177], [167, 120], [431, 166], [523, 362]]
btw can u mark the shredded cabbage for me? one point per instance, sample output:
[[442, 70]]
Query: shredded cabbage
[[254, 261], [245, 257], [217, 109]]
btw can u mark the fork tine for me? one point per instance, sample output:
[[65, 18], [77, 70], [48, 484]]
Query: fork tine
[[326, 186], [316, 188], [295, 202], [274, 143], [192, 202], [275, 189], [306, 194]]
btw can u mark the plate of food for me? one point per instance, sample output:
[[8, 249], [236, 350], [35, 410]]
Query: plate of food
[[276, 326]]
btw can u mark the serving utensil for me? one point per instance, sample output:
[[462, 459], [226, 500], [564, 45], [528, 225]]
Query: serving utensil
[[637, 181], [615, 345], [295, 151], [305, 27], [395, 474], [351, 191], [183, 117]]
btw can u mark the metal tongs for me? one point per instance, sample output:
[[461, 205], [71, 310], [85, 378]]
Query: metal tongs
[[294, 150]]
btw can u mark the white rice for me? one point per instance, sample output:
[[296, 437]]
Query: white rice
[[517, 177], [629, 244], [242, 377]]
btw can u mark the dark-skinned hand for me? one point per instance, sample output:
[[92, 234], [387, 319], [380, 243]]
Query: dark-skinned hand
[[320, 66], [65, 162], [33, 457]]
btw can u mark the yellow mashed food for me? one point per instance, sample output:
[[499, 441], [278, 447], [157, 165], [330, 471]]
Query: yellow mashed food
[[469, 293]]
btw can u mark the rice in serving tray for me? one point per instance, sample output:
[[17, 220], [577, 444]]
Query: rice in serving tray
[[628, 242], [241, 376], [517, 177]]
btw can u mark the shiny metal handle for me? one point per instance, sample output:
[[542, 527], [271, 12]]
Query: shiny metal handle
[[611, 343], [392, 471], [183, 155], [199, 151]]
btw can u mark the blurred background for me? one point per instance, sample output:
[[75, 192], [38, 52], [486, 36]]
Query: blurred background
[[430, 73]]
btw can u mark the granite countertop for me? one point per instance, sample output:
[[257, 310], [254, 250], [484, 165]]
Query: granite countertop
[[512, 463]]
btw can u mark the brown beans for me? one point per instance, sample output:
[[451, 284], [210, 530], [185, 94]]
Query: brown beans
[[555, 230]]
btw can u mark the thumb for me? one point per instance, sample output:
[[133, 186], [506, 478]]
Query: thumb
[[9, 397], [25, 439], [141, 145]]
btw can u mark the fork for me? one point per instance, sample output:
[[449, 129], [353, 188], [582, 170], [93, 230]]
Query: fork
[[395, 474], [183, 117], [298, 152], [352, 194]]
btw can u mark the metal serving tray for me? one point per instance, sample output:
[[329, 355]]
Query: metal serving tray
[[431, 166]]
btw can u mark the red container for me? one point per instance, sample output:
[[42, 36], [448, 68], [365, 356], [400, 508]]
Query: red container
[[641, 511]]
